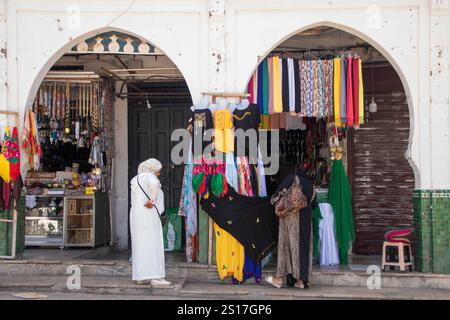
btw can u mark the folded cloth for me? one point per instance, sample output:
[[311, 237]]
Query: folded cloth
[[398, 236]]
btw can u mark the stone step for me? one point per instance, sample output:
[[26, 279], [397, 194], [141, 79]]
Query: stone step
[[202, 273], [182, 289]]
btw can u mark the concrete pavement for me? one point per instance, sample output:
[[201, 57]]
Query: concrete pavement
[[97, 287]]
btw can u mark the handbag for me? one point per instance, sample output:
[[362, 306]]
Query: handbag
[[290, 201], [162, 216]]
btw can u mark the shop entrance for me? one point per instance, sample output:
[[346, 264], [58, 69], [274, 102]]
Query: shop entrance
[[107, 87], [374, 137]]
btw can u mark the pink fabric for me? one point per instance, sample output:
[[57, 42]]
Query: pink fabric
[[398, 236]]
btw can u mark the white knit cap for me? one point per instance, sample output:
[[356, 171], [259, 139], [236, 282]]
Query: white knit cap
[[151, 165]]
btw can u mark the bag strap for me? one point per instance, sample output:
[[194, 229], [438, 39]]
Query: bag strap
[[137, 178]]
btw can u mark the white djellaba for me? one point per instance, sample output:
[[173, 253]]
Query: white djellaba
[[145, 225]]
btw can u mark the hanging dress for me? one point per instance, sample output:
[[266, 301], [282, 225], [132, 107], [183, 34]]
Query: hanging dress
[[340, 198], [223, 133]]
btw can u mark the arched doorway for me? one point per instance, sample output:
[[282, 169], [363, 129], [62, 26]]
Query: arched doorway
[[382, 179], [148, 97]]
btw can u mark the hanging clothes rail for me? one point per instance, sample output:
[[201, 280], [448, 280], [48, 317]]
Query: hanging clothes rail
[[12, 221]]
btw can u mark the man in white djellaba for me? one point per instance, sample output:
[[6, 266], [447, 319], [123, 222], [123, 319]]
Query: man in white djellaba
[[147, 244]]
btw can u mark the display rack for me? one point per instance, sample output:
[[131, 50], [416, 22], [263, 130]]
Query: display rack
[[44, 223]]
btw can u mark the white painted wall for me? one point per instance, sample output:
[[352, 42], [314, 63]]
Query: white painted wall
[[217, 44]]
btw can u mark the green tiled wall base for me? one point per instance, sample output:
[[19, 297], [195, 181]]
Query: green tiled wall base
[[6, 230], [432, 230], [203, 240]]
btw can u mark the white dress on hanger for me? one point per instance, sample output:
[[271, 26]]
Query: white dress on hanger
[[146, 229], [328, 248]]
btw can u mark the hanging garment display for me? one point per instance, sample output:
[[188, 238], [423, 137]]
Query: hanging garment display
[[188, 208], [251, 220], [314, 88], [223, 134], [329, 254], [30, 142], [229, 254], [339, 196], [10, 156]]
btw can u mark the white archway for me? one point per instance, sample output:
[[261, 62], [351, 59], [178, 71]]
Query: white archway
[[66, 48]]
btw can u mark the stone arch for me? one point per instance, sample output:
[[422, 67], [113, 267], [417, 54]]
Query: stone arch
[[66, 48]]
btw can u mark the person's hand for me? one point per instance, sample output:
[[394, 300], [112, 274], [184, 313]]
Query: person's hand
[[149, 204]]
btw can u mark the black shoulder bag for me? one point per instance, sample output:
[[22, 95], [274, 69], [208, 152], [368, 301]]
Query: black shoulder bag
[[163, 216]]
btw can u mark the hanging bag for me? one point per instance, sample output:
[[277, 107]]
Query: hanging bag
[[290, 201], [162, 216]]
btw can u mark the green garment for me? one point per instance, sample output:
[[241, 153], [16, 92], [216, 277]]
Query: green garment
[[265, 82], [197, 181], [340, 198], [217, 184], [316, 217], [175, 221]]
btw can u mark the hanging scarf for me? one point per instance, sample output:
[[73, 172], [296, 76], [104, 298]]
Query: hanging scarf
[[361, 93], [355, 93], [260, 88], [30, 142], [298, 89], [340, 198], [277, 101], [350, 92], [265, 87], [321, 89], [328, 86], [337, 91], [271, 84], [343, 110]]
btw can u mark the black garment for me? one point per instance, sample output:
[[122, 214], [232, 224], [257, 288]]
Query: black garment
[[285, 85], [297, 86], [202, 120], [248, 118], [251, 220], [245, 119], [305, 221]]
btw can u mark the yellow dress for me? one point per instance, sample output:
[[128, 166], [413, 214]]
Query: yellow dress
[[337, 91], [229, 255], [223, 133]]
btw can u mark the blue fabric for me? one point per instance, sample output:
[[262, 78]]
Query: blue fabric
[[260, 88], [251, 270]]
